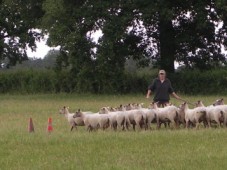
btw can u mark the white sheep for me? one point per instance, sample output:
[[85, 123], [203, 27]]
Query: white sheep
[[93, 121], [214, 113], [117, 118], [166, 114], [194, 116], [181, 116], [134, 117], [69, 116], [149, 115]]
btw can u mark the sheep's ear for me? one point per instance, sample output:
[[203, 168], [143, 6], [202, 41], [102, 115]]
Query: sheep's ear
[[64, 107], [78, 110]]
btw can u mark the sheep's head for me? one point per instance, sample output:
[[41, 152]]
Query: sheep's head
[[219, 102], [104, 110], [122, 107], [112, 109], [199, 103], [77, 114], [130, 106], [180, 106], [184, 105], [154, 105], [64, 110], [151, 105]]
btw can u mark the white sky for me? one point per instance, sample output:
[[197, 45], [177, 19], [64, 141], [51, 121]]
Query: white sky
[[42, 48]]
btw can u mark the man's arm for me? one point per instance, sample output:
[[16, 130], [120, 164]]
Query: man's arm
[[148, 94], [150, 89], [175, 95]]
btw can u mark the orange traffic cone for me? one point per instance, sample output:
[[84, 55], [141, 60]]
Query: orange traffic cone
[[30, 126], [49, 126]]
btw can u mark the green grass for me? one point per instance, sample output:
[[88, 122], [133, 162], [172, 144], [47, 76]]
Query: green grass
[[62, 149]]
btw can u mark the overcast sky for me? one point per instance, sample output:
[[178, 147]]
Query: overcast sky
[[42, 48]]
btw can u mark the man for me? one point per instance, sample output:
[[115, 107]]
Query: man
[[161, 87]]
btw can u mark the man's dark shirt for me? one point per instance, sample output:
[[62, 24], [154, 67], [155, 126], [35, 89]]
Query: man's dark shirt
[[161, 90]]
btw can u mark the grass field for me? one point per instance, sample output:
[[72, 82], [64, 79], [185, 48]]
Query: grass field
[[62, 149]]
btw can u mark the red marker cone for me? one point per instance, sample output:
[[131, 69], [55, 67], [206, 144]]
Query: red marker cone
[[30, 126], [49, 126]]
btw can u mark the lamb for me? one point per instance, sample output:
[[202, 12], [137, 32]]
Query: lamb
[[69, 116], [93, 121], [166, 114], [195, 115]]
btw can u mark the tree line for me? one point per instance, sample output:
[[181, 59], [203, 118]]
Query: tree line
[[148, 31]]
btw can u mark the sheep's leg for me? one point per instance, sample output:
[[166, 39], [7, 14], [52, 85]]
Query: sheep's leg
[[225, 121], [164, 124], [134, 126], [149, 125], [123, 125], [127, 125], [88, 128], [187, 124], [197, 125], [73, 125], [209, 123], [175, 124], [71, 128], [138, 126], [158, 123], [119, 126], [218, 122]]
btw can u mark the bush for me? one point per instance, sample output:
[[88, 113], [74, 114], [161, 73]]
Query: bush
[[27, 81], [197, 82], [47, 81]]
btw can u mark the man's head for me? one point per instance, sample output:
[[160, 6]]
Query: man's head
[[162, 74]]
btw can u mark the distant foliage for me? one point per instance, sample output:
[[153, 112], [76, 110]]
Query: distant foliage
[[200, 82], [47, 81]]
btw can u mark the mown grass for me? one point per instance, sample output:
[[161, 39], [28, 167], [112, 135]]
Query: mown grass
[[62, 149]]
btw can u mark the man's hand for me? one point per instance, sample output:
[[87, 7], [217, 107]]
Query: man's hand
[[148, 94], [176, 96]]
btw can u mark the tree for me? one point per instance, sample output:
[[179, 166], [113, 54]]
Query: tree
[[161, 30], [17, 23]]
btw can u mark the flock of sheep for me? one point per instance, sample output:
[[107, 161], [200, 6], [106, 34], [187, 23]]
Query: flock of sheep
[[135, 116]]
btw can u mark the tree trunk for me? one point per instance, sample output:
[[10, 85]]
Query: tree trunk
[[167, 45]]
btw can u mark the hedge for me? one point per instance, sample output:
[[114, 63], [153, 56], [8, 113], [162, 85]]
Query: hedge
[[47, 81]]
